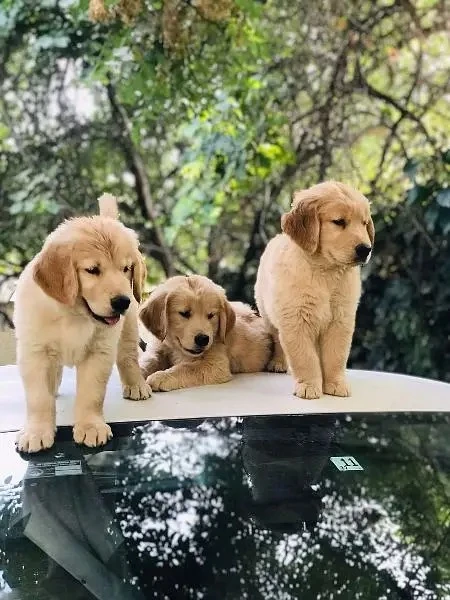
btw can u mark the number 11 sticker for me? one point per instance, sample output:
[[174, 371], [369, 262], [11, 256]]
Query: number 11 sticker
[[346, 463]]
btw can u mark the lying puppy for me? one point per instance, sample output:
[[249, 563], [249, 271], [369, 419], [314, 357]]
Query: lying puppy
[[199, 337], [75, 306], [308, 285]]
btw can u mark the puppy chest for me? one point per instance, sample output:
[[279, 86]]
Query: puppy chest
[[315, 310], [76, 339], [74, 343]]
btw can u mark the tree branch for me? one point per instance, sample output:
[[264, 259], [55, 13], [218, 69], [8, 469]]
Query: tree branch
[[142, 184], [404, 112]]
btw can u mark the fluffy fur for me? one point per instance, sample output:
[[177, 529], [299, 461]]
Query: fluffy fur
[[183, 308], [308, 285], [63, 315]]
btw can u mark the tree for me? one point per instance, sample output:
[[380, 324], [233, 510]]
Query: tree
[[206, 116]]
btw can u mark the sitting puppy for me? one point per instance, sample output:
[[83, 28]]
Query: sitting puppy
[[308, 285], [199, 337], [74, 306]]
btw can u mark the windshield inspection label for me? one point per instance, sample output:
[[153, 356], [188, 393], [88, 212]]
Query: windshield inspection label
[[346, 463], [53, 468]]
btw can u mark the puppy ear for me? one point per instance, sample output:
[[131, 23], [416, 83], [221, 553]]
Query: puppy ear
[[227, 320], [371, 231], [302, 223], [139, 276], [55, 273], [154, 313]]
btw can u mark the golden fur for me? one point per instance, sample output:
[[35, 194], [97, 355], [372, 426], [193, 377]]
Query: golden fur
[[184, 307], [308, 286], [55, 326]]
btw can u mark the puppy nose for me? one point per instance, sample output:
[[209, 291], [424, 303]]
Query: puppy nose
[[120, 303], [362, 251], [201, 340]]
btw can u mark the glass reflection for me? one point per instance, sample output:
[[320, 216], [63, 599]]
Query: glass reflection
[[235, 508]]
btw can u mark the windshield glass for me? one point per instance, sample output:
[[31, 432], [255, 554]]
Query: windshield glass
[[346, 506]]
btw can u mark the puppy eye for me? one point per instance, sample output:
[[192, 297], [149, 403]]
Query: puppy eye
[[211, 316], [340, 222], [93, 270], [185, 314], [126, 269]]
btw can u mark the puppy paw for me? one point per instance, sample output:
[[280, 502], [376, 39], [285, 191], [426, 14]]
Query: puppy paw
[[34, 438], [277, 365], [162, 382], [310, 390], [339, 387], [139, 391], [94, 432]]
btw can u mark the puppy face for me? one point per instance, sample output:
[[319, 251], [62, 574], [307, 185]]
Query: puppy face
[[94, 262], [332, 221], [189, 314]]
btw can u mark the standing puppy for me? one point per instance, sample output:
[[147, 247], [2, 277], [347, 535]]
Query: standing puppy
[[308, 285], [76, 305]]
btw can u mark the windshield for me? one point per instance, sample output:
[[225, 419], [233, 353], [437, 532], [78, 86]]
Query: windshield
[[347, 506]]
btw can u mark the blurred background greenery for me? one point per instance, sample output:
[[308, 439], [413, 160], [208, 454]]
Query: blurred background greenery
[[205, 115]]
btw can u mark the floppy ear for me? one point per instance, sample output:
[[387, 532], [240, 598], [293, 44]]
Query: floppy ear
[[371, 231], [139, 276], [55, 273], [302, 224], [154, 313], [227, 320]]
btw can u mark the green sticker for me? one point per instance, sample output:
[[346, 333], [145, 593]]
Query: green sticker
[[346, 463]]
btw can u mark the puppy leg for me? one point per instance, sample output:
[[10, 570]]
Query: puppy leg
[[133, 383], [152, 361], [298, 341], [55, 378], [92, 376], [277, 363], [335, 345], [37, 372], [215, 368]]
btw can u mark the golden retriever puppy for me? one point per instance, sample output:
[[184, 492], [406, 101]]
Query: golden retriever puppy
[[199, 338], [76, 305], [308, 285]]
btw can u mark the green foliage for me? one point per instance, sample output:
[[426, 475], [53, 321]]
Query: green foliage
[[204, 123], [403, 316]]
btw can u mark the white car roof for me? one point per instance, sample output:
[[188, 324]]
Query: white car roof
[[256, 394]]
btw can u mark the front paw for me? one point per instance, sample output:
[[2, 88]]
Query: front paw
[[338, 387], [36, 437], [277, 365], [139, 391], [310, 390], [92, 432], [161, 381]]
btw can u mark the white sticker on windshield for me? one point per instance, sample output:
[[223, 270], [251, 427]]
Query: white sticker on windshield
[[53, 468], [346, 463]]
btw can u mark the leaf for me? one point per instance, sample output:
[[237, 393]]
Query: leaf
[[52, 41], [445, 224], [270, 151], [4, 131], [431, 217], [417, 194], [443, 197], [341, 23], [410, 169]]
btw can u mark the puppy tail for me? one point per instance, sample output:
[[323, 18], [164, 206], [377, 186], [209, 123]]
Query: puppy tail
[[245, 311], [108, 206]]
